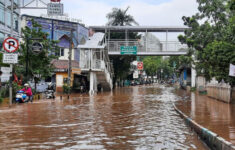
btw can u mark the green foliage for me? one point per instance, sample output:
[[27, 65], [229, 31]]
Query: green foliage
[[152, 64], [193, 89], [211, 34], [15, 88], [119, 17], [39, 64], [155, 65], [66, 89], [4, 92]]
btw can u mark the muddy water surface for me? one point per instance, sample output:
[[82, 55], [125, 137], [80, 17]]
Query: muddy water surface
[[215, 115], [140, 117]]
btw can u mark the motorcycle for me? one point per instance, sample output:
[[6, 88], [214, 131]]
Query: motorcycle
[[21, 97], [50, 92]]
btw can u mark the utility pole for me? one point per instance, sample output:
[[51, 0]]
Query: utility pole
[[11, 66], [27, 58], [70, 57]]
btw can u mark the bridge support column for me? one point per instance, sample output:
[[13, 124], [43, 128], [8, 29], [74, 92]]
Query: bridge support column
[[193, 76], [93, 83]]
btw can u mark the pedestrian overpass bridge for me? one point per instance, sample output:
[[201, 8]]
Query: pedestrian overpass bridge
[[147, 45], [94, 54]]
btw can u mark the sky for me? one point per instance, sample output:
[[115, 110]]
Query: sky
[[145, 12]]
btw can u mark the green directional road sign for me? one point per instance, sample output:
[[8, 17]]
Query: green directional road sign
[[128, 50]]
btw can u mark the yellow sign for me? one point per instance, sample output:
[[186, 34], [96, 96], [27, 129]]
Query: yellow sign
[[76, 71]]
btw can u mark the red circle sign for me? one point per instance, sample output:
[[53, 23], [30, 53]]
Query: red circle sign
[[140, 65], [11, 44]]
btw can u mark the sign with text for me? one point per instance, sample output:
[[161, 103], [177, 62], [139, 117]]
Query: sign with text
[[128, 50], [6, 70], [232, 70], [6, 74], [10, 58], [135, 75], [55, 9]]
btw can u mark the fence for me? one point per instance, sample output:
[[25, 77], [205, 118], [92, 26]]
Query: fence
[[221, 92], [150, 46]]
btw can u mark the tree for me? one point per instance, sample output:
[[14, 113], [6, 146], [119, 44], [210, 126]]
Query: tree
[[119, 17], [151, 64], [211, 34], [39, 65]]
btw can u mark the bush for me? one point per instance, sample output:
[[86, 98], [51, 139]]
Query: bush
[[193, 89], [1, 99], [66, 89], [15, 88]]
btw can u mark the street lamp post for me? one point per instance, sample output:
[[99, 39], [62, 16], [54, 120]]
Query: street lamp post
[[27, 54]]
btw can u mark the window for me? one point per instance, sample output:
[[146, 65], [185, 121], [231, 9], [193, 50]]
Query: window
[[2, 14], [16, 24], [1, 39], [8, 18], [62, 52]]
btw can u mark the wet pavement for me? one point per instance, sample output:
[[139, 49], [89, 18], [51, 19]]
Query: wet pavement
[[140, 117], [215, 115]]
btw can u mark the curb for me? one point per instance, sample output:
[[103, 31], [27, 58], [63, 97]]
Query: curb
[[213, 141]]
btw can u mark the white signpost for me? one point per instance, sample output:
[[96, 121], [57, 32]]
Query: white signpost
[[55, 9], [232, 70], [136, 75], [10, 58], [6, 73]]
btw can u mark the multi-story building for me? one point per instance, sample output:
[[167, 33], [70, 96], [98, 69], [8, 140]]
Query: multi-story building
[[5, 19], [60, 30]]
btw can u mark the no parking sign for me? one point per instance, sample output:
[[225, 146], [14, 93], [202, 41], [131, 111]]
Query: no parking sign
[[11, 44]]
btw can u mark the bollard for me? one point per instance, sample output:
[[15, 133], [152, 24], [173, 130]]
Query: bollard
[[60, 97], [38, 97], [68, 97]]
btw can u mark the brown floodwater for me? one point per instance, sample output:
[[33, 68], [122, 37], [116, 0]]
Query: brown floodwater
[[215, 115], [140, 117]]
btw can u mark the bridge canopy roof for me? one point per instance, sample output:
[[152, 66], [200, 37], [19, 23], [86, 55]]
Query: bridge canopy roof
[[139, 28]]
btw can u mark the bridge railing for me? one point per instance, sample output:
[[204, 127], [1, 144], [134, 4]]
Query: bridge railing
[[149, 46]]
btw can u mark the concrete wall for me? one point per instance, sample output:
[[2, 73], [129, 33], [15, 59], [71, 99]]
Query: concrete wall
[[220, 92], [200, 81]]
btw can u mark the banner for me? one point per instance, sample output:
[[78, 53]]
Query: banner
[[232, 70]]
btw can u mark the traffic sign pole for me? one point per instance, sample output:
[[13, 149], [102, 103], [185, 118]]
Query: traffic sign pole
[[11, 66]]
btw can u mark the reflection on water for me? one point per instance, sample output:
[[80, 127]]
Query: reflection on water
[[140, 117], [210, 113]]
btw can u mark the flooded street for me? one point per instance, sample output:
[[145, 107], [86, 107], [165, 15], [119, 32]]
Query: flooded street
[[215, 115], [140, 117]]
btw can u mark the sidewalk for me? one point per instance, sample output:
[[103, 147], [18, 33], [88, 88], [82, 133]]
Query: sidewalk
[[212, 114]]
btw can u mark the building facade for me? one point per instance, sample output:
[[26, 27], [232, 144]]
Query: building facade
[[60, 31], [5, 20]]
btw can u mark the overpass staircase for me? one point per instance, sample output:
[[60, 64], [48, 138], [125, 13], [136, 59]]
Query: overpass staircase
[[94, 60]]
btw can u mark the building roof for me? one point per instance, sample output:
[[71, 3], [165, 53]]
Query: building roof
[[63, 64], [139, 28], [41, 17], [94, 42]]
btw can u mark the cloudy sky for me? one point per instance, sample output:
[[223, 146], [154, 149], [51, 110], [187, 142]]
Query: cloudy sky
[[145, 12]]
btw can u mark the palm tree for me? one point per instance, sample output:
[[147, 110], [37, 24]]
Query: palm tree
[[119, 17], [121, 64]]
